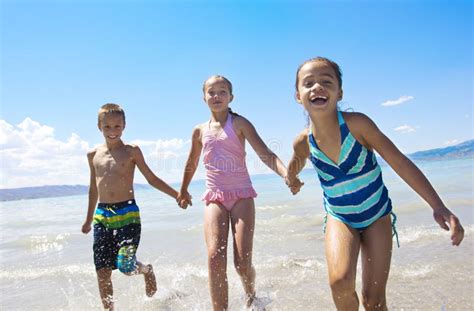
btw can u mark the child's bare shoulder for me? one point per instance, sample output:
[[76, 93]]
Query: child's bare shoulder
[[355, 117], [239, 120], [357, 121], [91, 153], [242, 124], [198, 129], [360, 126], [131, 149], [300, 144], [302, 137]]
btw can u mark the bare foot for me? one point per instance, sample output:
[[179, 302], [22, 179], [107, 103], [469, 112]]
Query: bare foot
[[150, 282], [250, 299]]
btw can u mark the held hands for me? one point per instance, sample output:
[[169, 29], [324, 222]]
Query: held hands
[[184, 199], [294, 184], [447, 221]]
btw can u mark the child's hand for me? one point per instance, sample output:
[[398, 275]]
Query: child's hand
[[184, 203], [86, 227], [294, 185], [447, 221], [184, 199]]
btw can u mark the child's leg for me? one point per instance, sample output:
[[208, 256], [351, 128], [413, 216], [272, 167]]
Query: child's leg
[[216, 231], [376, 246], [127, 263], [150, 280], [243, 223], [104, 277], [342, 250]]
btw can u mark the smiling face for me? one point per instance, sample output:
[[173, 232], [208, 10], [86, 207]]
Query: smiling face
[[217, 94], [112, 125], [318, 87]]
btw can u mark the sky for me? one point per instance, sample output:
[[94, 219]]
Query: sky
[[406, 64]]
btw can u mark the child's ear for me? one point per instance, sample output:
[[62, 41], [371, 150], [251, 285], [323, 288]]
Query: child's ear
[[341, 93], [231, 98], [298, 97]]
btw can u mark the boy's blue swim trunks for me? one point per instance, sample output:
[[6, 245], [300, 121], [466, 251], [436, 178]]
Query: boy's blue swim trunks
[[117, 231]]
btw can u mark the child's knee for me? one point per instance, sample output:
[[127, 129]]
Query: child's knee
[[104, 274], [243, 266], [342, 283], [126, 260]]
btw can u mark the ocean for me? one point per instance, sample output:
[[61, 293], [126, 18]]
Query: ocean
[[46, 262]]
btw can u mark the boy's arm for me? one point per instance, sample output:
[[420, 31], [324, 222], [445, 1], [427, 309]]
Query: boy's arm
[[264, 153], [410, 173], [93, 195], [191, 165], [298, 161], [150, 177]]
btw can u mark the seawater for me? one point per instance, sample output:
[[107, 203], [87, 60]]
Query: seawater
[[46, 262]]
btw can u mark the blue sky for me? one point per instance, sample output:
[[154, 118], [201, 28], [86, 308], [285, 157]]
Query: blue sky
[[61, 60]]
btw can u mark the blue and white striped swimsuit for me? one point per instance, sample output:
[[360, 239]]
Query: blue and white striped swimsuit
[[353, 188]]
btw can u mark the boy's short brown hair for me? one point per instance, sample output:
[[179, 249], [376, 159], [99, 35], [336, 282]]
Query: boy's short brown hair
[[110, 108]]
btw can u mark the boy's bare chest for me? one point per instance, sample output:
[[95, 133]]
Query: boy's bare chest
[[110, 164]]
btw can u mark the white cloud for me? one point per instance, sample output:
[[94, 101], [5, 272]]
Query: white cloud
[[404, 129], [452, 142], [399, 101], [31, 155]]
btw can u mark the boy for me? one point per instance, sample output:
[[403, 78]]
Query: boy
[[117, 219]]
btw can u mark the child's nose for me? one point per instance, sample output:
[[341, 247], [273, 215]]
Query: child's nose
[[317, 87]]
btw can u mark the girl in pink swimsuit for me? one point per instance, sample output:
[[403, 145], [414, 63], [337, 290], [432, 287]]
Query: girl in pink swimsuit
[[229, 196]]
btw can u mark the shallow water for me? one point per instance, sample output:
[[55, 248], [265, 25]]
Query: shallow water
[[46, 263]]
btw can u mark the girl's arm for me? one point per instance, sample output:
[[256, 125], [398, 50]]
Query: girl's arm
[[264, 153], [93, 195], [298, 161], [191, 166], [150, 177], [409, 172]]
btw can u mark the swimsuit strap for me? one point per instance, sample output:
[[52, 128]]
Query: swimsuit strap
[[225, 124], [340, 119], [394, 229]]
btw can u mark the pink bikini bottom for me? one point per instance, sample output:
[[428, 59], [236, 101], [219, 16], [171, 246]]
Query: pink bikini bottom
[[228, 204]]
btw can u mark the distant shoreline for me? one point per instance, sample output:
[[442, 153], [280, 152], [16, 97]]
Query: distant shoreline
[[461, 151]]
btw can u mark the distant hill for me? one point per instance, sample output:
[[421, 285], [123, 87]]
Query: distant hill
[[462, 150], [48, 192]]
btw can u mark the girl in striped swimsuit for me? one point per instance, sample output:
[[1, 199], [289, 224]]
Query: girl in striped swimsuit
[[341, 148]]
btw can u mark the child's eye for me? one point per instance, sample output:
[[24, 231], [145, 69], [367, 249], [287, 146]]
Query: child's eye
[[308, 84], [327, 82]]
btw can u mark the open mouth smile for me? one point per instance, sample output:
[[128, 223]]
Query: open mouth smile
[[318, 100]]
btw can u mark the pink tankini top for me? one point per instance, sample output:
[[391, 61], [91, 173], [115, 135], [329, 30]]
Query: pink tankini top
[[227, 177]]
